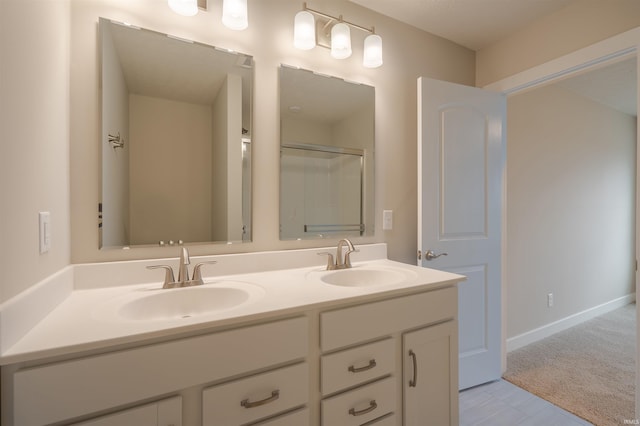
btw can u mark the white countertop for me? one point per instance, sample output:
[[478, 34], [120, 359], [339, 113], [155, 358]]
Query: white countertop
[[87, 319]]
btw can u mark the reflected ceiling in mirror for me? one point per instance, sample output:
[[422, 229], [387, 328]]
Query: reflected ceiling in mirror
[[175, 142], [326, 156]]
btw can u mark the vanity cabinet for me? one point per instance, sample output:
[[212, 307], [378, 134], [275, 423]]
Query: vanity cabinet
[[380, 331], [167, 412], [79, 387], [379, 360]]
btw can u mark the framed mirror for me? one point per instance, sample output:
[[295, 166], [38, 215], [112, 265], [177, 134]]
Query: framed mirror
[[176, 140], [326, 156]]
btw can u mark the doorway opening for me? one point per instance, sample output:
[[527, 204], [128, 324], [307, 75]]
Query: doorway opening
[[562, 187]]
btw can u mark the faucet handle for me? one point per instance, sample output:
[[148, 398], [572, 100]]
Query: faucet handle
[[330, 262], [169, 280], [197, 273]]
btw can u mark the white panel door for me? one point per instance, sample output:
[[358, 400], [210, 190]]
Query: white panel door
[[461, 157]]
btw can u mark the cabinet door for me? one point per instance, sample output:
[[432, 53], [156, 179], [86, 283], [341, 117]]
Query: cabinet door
[[430, 373], [162, 413]]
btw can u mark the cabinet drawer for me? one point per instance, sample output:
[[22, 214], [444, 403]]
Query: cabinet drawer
[[351, 367], [347, 326], [297, 418], [167, 412], [360, 405], [141, 373], [389, 420], [246, 400]]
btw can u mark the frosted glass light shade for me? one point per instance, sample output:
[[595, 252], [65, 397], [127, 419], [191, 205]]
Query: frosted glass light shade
[[184, 7], [304, 31], [234, 14], [340, 41], [372, 51]]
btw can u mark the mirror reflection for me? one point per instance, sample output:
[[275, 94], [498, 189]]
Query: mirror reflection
[[326, 156], [176, 140]]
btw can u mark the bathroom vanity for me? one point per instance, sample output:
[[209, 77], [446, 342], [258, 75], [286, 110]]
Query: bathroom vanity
[[375, 344]]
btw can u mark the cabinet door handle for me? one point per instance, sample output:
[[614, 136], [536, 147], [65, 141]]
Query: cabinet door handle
[[372, 406], [248, 404], [414, 382], [353, 369]]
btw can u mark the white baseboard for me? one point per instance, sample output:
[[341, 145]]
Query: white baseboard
[[540, 333]]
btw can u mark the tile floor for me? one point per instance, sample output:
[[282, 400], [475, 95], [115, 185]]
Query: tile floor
[[502, 403]]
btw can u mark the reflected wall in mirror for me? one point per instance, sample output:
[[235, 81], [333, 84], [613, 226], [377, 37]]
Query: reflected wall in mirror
[[176, 140], [326, 156]]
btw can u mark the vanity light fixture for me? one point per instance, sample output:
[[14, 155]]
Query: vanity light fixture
[[340, 41], [234, 12], [306, 36], [184, 7], [304, 31]]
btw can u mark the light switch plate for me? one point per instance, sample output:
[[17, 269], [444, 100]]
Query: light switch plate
[[45, 231], [387, 220]]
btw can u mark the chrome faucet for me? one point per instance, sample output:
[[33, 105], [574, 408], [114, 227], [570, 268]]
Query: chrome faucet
[[183, 272], [341, 262]]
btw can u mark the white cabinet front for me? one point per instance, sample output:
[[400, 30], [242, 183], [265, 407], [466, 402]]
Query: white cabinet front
[[256, 397], [362, 364], [297, 418], [361, 405], [430, 376], [167, 412]]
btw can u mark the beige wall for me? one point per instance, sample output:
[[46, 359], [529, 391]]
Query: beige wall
[[34, 150], [582, 23], [269, 40], [570, 206], [170, 151]]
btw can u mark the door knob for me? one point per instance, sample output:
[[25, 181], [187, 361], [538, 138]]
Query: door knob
[[430, 255]]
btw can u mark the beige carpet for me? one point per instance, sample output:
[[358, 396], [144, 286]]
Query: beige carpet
[[588, 370]]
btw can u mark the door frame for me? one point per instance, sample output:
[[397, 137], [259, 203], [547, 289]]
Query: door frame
[[610, 50]]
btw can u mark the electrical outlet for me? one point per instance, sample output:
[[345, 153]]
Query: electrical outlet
[[550, 300]]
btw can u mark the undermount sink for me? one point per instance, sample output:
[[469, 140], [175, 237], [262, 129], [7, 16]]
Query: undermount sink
[[365, 276]]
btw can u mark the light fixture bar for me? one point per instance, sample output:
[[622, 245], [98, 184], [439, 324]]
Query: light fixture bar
[[338, 19], [307, 33]]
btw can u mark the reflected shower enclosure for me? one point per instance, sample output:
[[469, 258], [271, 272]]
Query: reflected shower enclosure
[[326, 156], [324, 190]]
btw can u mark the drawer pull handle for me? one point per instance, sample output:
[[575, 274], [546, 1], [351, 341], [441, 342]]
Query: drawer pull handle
[[372, 363], [372, 406], [248, 404], [414, 382]]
